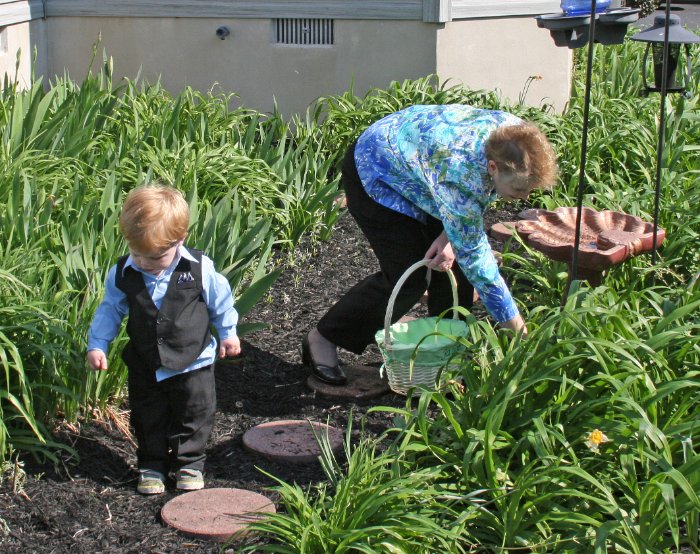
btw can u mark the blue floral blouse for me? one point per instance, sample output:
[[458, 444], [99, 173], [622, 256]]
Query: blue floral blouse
[[431, 160]]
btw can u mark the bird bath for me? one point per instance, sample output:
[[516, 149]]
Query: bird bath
[[607, 238]]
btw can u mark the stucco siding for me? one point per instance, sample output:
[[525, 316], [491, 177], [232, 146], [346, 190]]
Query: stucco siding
[[187, 52], [503, 54], [369, 51], [427, 10], [344, 9], [19, 45]]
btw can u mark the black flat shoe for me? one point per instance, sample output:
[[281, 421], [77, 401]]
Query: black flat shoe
[[333, 375]]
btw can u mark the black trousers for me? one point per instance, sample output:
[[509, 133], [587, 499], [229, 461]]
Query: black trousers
[[398, 242], [172, 419]]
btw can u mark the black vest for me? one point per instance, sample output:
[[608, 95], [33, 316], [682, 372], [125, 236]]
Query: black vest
[[174, 336]]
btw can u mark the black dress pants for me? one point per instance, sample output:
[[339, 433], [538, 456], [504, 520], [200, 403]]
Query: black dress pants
[[172, 419], [398, 242]]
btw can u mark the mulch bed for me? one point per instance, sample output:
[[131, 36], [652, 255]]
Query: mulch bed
[[92, 507]]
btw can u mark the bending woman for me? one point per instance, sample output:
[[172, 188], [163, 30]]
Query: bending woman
[[418, 182]]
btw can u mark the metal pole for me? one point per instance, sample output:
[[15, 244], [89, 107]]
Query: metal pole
[[584, 143], [662, 126]]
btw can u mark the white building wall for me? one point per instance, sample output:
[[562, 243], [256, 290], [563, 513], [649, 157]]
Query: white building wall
[[486, 53], [187, 52], [21, 44], [504, 54], [501, 53]]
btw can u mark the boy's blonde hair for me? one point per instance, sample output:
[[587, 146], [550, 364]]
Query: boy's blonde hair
[[154, 217], [523, 153]]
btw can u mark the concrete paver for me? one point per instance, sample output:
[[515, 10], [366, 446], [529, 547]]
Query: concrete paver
[[215, 514], [291, 440], [364, 382]]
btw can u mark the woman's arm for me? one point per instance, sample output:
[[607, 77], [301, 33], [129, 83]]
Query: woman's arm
[[517, 324], [464, 227]]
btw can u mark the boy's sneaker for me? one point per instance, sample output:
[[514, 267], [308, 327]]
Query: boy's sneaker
[[189, 480], [150, 482]]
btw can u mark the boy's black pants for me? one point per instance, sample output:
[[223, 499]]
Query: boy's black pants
[[172, 419], [398, 242]]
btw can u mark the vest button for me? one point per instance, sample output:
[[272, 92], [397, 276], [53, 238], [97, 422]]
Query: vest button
[[161, 340]]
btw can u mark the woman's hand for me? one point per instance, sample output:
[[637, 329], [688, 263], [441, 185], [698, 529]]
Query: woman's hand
[[517, 325], [440, 255]]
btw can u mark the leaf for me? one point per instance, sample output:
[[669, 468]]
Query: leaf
[[255, 291]]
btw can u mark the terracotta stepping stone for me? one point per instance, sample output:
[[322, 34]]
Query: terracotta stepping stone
[[363, 382], [291, 440], [215, 514]]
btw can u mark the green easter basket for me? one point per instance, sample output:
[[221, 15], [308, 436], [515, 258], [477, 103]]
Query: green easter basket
[[413, 353]]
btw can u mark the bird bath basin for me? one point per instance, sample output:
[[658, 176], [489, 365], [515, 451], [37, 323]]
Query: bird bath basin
[[607, 238]]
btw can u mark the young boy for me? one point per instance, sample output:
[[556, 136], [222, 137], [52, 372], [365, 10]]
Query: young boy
[[172, 295]]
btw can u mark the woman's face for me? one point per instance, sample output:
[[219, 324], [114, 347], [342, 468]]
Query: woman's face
[[508, 188]]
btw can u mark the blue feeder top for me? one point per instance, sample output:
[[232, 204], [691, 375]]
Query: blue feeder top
[[676, 33]]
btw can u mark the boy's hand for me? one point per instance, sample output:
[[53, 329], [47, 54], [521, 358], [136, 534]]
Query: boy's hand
[[97, 360], [230, 347]]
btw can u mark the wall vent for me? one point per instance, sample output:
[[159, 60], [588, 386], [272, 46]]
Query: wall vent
[[304, 31]]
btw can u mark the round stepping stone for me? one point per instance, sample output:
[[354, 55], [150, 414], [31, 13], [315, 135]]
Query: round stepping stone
[[291, 440], [215, 514], [363, 382]]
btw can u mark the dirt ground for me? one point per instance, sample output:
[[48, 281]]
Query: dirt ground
[[92, 507]]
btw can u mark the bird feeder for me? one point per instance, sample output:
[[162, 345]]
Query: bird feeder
[[678, 39]]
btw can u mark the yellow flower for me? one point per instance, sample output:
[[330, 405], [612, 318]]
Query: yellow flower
[[595, 438]]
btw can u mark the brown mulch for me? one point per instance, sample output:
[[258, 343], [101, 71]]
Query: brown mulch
[[92, 506]]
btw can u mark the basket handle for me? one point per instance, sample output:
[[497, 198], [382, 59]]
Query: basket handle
[[397, 288]]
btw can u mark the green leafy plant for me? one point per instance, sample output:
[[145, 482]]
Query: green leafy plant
[[377, 504], [69, 152]]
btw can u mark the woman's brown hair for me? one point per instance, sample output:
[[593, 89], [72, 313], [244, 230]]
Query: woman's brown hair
[[522, 152]]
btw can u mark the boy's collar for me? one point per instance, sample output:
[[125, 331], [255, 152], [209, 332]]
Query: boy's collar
[[184, 253]]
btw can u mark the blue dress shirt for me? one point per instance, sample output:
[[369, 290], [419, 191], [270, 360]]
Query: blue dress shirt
[[216, 292], [430, 160]]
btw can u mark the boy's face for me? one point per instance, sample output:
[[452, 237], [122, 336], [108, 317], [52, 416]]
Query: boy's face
[[155, 261]]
